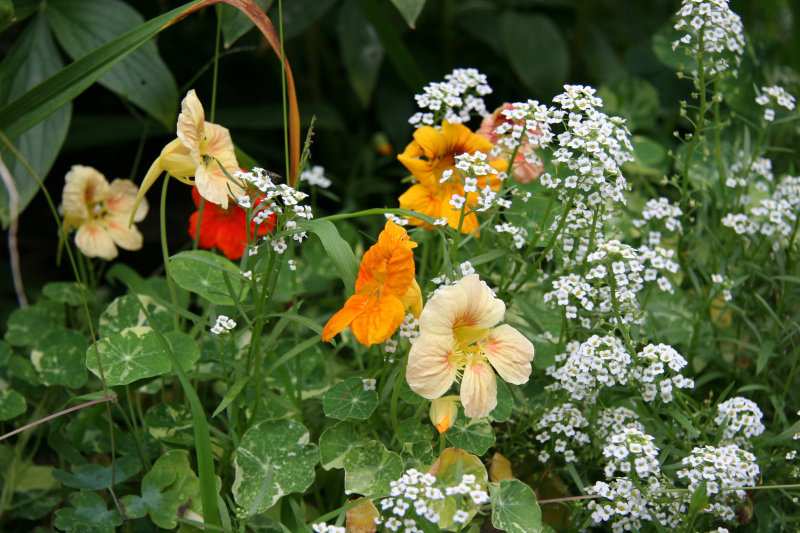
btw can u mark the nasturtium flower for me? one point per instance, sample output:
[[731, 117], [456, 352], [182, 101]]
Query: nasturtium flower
[[458, 340], [432, 154], [225, 228], [385, 288], [523, 171], [194, 154], [100, 212], [444, 412]]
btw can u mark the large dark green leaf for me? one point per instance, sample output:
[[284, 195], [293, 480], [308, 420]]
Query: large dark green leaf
[[537, 52], [362, 51], [143, 78], [87, 513], [33, 58]]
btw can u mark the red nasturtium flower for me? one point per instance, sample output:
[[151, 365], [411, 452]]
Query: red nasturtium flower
[[385, 288], [225, 228]]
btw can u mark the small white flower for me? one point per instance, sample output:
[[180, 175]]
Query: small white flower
[[369, 383]]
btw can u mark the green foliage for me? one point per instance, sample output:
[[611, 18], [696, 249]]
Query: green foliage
[[349, 399], [514, 507], [370, 467]]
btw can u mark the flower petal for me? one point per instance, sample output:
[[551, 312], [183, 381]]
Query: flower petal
[[429, 372], [413, 298], [423, 200], [121, 199], [467, 305], [83, 185], [510, 353], [478, 390], [379, 320], [191, 122], [353, 307], [127, 238], [94, 240]]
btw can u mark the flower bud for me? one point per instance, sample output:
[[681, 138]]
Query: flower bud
[[444, 412]]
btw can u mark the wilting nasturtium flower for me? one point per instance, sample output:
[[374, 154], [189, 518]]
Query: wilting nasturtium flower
[[523, 172], [194, 154], [385, 288], [457, 340], [101, 212], [427, 157]]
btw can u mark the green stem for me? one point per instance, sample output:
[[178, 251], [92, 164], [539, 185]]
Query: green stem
[[165, 252]]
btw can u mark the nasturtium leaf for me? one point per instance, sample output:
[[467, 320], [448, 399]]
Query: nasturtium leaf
[[59, 358], [411, 430], [514, 507], [168, 489], [274, 458], [186, 350], [24, 370], [408, 395], [500, 468], [474, 435], [125, 358], [125, 312], [33, 58], [235, 24], [505, 402], [449, 469], [348, 399], [410, 9], [87, 513], [362, 51], [171, 423], [335, 442], [537, 52], [209, 275], [369, 468], [12, 404], [5, 353], [142, 78], [27, 325], [67, 292], [97, 477]]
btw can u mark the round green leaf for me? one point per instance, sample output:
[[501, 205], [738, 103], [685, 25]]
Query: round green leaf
[[67, 292], [505, 402], [348, 399], [128, 356], [12, 404], [186, 350], [27, 325], [369, 468], [449, 468], [335, 442], [62, 360], [124, 312], [274, 458], [474, 435], [211, 276], [170, 422], [514, 507], [5, 353]]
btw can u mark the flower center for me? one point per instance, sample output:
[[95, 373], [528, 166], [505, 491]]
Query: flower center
[[97, 210]]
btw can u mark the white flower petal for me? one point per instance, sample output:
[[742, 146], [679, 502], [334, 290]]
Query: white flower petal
[[429, 372], [467, 304], [478, 390], [510, 353], [94, 240]]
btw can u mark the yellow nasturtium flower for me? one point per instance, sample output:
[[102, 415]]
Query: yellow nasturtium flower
[[100, 212], [458, 340], [194, 154]]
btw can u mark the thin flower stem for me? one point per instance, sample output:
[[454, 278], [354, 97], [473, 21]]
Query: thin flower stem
[[165, 253], [56, 415], [215, 75], [569, 499]]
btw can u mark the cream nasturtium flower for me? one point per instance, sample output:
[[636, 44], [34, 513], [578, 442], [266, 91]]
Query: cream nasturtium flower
[[458, 340], [194, 154], [100, 212]]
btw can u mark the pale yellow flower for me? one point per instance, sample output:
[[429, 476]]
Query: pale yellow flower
[[101, 212], [458, 339], [194, 154]]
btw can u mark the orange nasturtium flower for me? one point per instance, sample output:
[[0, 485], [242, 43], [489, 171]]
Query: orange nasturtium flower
[[100, 212], [226, 229], [458, 340], [194, 154], [427, 157], [385, 288]]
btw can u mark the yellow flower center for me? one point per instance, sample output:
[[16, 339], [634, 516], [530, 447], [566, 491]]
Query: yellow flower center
[[97, 210], [466, 352]]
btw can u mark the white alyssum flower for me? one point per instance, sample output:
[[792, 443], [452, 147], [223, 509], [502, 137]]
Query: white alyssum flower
[[742, 419], [455, 99], [713, 30], [315, 177]]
